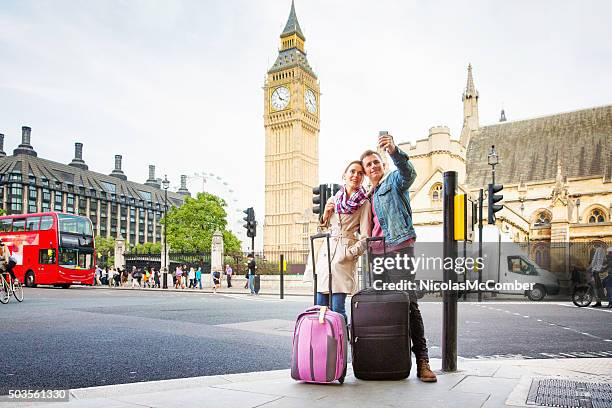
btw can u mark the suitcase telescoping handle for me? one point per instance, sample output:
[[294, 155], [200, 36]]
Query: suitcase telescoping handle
[[325, 235], [370, 258]]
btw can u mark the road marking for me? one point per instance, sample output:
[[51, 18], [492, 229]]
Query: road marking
[[594, 309]]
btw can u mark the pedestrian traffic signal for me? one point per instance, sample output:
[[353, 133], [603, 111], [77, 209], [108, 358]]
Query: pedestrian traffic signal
[[251, 224], [320, 198], [494, 198]]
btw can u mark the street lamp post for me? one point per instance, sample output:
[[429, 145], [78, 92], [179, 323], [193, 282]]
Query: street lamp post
[[493, 159], [165, 185]]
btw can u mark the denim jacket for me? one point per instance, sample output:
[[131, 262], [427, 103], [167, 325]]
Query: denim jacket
[[391, 200]]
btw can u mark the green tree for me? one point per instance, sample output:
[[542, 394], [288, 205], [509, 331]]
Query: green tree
[[105, 247], [147, 248], [191, 226]]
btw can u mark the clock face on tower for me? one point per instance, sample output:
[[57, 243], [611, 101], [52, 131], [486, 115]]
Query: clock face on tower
[[310, 100], [280, 98]]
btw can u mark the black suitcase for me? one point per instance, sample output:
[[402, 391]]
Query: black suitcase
[[380, 333]]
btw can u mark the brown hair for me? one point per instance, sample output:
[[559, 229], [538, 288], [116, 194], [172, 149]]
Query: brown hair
[[351, 163], [369, 153]]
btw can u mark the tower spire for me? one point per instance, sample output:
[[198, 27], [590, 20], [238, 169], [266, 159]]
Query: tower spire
[[470, 109], [470, 89], [292, 26]]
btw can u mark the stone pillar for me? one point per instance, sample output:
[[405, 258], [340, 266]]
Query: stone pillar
[[216, 252], [120, 252]]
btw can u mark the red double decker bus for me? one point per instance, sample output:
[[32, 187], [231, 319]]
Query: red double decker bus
[[50, 248]]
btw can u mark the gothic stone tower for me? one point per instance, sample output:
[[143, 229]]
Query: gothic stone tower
[[291, 121]]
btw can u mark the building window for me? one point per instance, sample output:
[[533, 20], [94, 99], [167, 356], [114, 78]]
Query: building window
[[542, 220], [15, 198], [103, 218], [158, 226], [32, 199], [132, 225], [113, 220], [93, 212], [82, 205], [597, 215], [436, 193], [70, 203], [46, 199], [58, 201], [141, 225], [123, 219], [150, 226]]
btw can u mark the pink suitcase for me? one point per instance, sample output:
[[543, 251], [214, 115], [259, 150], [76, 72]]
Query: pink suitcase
[[320, 339]]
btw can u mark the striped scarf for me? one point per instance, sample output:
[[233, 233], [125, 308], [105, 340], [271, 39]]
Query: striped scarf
[[348, 205]]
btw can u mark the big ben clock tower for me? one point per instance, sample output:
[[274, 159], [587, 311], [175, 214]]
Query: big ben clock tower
[[291, 121]]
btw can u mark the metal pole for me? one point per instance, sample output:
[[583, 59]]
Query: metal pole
[[282, 278], [449, 305], [165, 286], [480, 202]]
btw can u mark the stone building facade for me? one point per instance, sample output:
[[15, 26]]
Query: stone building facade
[[116, 206], [556, 171]]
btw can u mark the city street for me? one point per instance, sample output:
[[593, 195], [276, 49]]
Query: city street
[[85, 337]]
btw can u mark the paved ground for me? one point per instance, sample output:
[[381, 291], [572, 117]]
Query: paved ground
[[478, 384], [85, 337]]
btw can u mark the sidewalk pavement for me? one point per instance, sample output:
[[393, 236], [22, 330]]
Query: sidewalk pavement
[[493, 383]]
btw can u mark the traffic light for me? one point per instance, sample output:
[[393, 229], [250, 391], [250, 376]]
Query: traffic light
[[320, 198], [494, 198], [335, 188], [251, 224]]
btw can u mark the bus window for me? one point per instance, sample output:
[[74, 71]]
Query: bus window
[[46, 222], [74, 225], [68, 257], [19, 225], [85, 261], [46, 256], [6, 225], [32, 223]]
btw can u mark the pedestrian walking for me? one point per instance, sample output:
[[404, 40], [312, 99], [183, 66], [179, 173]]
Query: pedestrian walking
[[228, 273], [198, 276], [105, 276], [134, 277], [192, 276], [607, 283], [111, 277], [156, 278], [216, 275], [98, 276], [179, 277], [598, 264]]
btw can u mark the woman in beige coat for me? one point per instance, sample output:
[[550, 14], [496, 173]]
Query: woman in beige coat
[[349, 216]]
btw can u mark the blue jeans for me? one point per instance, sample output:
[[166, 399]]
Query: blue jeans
[[338, 301], [252, 283]]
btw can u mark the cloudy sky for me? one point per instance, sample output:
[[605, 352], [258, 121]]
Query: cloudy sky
[[179, 84]]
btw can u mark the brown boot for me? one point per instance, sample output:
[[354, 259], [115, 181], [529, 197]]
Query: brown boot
[[424, 372]]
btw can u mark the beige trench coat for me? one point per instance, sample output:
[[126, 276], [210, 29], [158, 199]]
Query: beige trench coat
[[347, 243]]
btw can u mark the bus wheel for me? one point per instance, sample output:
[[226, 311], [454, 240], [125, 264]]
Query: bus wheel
[[65, 285], [30, 280]]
